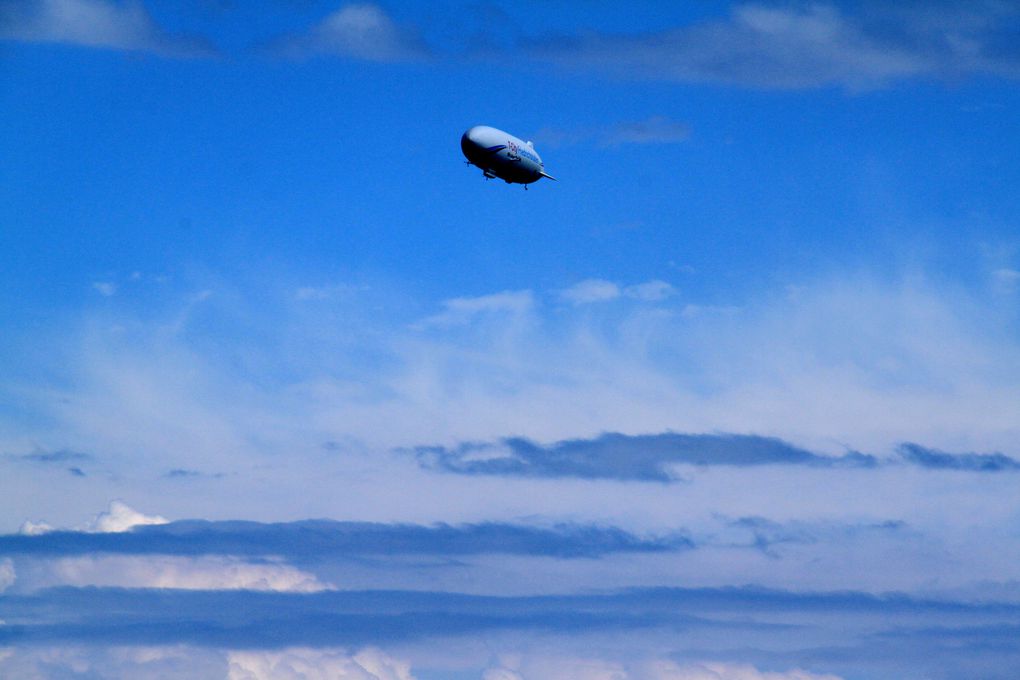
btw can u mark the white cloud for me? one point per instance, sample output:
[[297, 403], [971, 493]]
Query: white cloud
[[172, 662], [94, 23], [650, 291], [850, 361], [326, 292], [651, 130], [539, 667], [458, 311], [316, 664], [668, 670], [120, 517], [105, 288], [1006, 279], [181, 662], [361, 31], [599, 290], [591, 290], [7, 575], [804, 45], [212, 572], [30, 528]]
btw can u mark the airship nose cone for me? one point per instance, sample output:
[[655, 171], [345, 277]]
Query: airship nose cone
[[475, 141], [474, 135]]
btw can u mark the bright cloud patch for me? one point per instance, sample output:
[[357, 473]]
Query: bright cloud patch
[[120, 517], [460, 311], [201, 573], [599, 290], [7, 574], [804, 46], [94, 23], [313, 664], [359, 31]]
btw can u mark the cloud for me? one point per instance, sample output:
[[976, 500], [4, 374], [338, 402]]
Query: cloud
[[357, 31], [653, 457], [313, 664], [826, 628], [30, 528], [651, 130], [765, 535], [804, 45], [462, 310], [971, 462], [547, 667], [624, 457], [95, 23], [326, 539], [599, 290], [1006, 280], [105, 288], [650, 291], [666, 670], [58, 456], [120, 518], [7, 575], [164, 571], [184, 662], [654, 130], [591, 290], [847, 362]]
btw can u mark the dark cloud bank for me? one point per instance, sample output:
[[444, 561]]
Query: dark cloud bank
[[649, 457], [311, 540], [906, 637]]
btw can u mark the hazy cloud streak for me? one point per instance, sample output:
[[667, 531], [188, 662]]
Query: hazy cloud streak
[[95, 23], [783, 46]]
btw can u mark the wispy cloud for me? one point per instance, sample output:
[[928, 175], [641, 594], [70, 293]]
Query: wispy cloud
[[971, 462], [369, 664], [767, 535], [357, 31], [618, 456], [178, 572], [95, 23], [847, 363], [105, 288], [654, 457], [600, 290], [804, 45], [266, 620], [322, 539], [59, 456], [652, 130], [462, 310]]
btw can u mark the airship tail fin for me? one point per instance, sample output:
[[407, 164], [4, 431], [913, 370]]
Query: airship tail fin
[[548, 176]]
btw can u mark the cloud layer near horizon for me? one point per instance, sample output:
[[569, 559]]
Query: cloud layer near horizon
[[821, 364], [898, 630]]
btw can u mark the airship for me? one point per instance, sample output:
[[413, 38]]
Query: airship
[[500, 154]]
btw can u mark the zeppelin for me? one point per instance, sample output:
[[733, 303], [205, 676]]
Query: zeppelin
[[500, 154]]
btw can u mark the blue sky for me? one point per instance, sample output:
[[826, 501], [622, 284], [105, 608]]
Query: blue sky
[[735, 398]]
